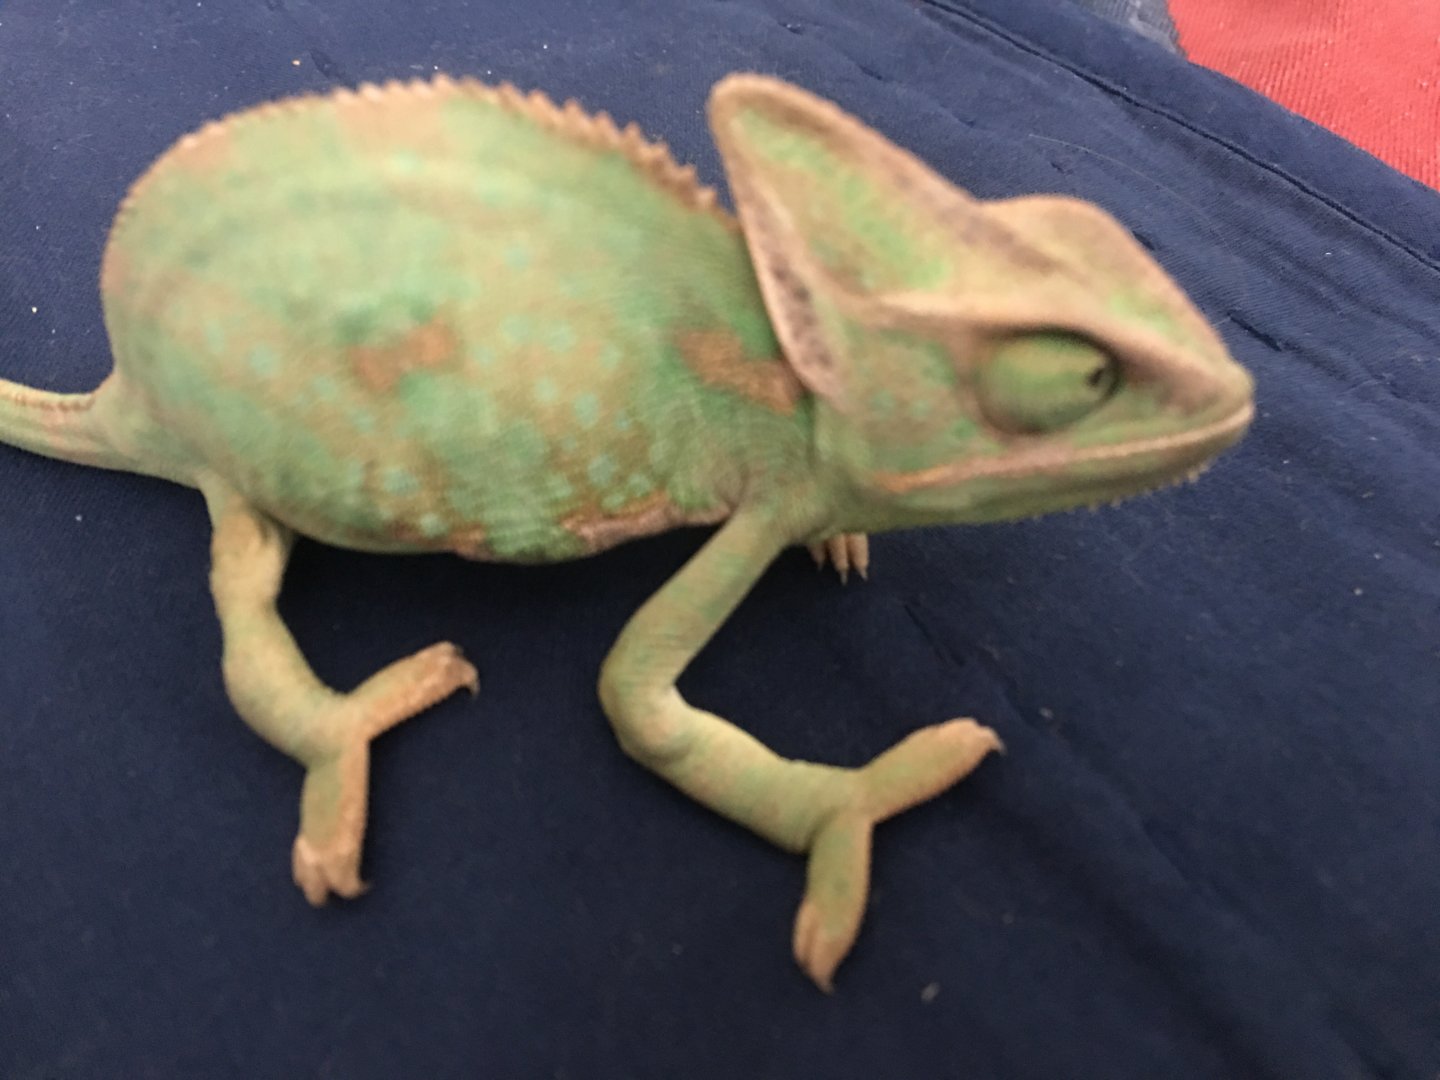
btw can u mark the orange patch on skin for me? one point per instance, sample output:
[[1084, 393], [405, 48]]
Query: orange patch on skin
[[719, 360], [206, 150], [380, 367], [644, 517], [388, 121], [114, 272], [469, 543]]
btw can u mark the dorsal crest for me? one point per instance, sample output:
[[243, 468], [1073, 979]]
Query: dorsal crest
[[598, 131]]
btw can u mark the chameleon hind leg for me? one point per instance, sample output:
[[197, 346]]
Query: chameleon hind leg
[[825, 811], [274, 690]]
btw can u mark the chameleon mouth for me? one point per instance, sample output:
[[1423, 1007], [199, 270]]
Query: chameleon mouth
[[1174, 457]]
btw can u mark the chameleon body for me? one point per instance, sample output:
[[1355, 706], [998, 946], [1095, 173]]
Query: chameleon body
[[442, 316]]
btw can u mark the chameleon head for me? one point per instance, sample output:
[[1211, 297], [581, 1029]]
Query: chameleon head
[[971, 360]]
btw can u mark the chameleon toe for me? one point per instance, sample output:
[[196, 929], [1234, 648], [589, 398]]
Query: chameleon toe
[[816, 953], [412, 685], [845, 552], [837, 884], [924, 764], [332, 870]]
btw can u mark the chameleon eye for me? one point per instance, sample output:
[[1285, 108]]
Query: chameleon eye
[[1044, 382]]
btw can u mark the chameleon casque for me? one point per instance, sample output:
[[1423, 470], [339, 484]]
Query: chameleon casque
[[441, 316]]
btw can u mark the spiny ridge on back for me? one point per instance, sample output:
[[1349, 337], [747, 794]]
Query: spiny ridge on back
[[570, 120]]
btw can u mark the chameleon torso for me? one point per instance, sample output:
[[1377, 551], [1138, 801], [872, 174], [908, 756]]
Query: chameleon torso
[[417, 320]]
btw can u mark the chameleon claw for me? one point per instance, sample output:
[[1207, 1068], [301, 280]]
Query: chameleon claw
[[838, 879], [814, 952], [412, 685], [846, 552], [860, 554], [319, 873]]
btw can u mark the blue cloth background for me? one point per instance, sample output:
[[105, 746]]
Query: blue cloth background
[[1212, 852], [1148, 17]]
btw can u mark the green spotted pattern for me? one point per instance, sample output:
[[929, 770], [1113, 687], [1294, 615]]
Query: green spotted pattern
[[385, 356]]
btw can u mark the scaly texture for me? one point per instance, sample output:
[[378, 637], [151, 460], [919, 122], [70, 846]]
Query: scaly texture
[[445, 317], [492, 365]]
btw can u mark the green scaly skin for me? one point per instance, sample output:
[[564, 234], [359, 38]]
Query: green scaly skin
[[443, 317]]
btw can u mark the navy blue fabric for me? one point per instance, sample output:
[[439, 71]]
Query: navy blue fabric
[[1213, 850]]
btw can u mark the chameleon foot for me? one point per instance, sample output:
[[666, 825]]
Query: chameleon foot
[[838, 878], [845, 552], [327, 860], [326, 856]]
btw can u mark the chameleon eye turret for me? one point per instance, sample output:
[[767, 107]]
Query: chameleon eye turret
[[1044, 382]]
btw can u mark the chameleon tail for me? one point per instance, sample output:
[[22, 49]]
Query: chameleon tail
[[55, 425]]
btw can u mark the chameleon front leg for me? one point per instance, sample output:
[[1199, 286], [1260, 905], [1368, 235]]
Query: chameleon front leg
[[800, 806], [274, 690]]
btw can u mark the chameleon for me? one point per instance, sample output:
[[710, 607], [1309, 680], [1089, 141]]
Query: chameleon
[[446, 316]]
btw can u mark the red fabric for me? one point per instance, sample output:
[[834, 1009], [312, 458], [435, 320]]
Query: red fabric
[[1366, 69]]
